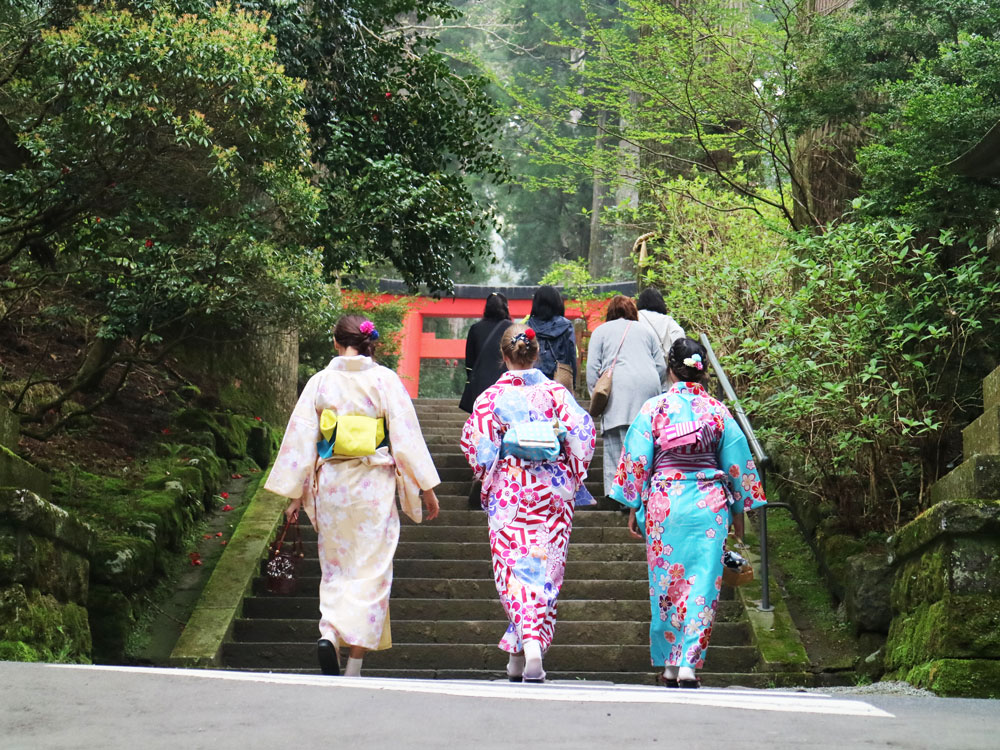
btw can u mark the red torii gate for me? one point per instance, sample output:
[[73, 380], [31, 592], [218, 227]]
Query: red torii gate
[[467, 302]]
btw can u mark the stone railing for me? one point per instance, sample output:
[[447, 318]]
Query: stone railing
[[945, 632]]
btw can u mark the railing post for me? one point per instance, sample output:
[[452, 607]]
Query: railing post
[[765, 585]]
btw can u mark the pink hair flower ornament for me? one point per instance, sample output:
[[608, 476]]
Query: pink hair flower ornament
[[368, 329], [694, 361]]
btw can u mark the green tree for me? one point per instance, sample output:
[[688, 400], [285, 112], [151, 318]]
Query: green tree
[[161, 166], [919, 80], [395, 132]]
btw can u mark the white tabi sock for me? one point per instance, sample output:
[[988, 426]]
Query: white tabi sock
[[686, 673], [670, 673], [353, 667], [532, 659], [515, 665]]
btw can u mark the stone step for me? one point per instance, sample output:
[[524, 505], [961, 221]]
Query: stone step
[[303, 606], [583, 517], [464, 473], [480, 550], [619, 570], [977, 478], [478, 632], [477, 532], [570, 609], [485, 588], [580, 534], [982, 437], [759, 680], [610, 657]]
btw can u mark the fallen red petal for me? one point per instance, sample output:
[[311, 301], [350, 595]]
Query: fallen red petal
[[196, 562], [223, 542], [224, 495], [227, 507], [218, 533]]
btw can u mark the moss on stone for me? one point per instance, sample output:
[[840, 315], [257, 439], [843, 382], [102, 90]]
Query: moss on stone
[[949, 518], [49, 630], [921, 579], [958, 627], [966, 678], [112, 616], [123, 561], [18, 651]]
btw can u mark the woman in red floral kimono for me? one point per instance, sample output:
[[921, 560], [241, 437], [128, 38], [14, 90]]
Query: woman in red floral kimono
[[530, 503]]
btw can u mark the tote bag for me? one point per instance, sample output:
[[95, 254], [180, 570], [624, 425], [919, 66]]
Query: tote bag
[[602, 389]]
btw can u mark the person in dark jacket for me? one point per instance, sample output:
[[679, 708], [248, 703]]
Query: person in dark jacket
[[483, 363], [557, 344]]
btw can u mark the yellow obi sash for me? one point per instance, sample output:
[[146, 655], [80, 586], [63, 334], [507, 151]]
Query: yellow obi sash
[[350, 434]]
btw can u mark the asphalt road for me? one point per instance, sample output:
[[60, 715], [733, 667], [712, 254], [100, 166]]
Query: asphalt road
[[52, 706]]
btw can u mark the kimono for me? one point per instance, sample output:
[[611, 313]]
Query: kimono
[[529, 503], [686, 468], [351, 500]]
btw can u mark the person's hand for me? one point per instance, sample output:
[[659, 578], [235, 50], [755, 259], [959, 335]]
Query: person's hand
[[738, 526], [633, 525], [431, 505], [292, 511]]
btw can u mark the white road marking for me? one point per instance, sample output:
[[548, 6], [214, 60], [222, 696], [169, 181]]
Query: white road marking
[[751, 700]]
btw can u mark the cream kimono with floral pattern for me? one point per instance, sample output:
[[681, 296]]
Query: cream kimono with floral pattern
[[351, 501]]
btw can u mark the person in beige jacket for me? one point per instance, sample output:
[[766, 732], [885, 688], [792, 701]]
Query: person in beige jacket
[[653, 315]]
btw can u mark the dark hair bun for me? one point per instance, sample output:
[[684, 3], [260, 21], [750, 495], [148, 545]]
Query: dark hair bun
[[686, 348]]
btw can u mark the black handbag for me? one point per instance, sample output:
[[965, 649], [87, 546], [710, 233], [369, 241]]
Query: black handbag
[[282, 569]]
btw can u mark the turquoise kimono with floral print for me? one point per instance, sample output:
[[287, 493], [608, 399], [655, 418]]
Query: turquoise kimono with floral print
[[685, 467]]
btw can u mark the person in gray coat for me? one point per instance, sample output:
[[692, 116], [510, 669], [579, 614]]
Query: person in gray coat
[[637, 375]]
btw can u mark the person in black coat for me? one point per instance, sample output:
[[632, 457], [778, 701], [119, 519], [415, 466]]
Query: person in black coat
[[483, 362]]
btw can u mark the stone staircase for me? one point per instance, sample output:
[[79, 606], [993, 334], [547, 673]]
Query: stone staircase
[[446, 616]]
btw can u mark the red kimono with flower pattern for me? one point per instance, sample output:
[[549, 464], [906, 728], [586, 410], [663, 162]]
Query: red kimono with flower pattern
[[529, 503]]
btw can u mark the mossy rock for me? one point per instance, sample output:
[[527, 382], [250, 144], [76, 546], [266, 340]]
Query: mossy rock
[[124, 562], [868, 585], [231, 431], [41, 563], [18, 473], [112, 618], [25, 509], [949, 518], [835, 550], [921, 579], [54, 631], [957, 627], [961, 678]]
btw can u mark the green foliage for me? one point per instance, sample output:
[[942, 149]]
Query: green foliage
[[920, 78], [115, 112], [863, 363], [316, 346], [716, 261], [395, 131]]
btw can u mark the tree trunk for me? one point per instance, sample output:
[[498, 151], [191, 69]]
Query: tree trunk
[[596, 256], [88, 378]]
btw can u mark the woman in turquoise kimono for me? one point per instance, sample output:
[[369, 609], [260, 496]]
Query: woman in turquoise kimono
[[686, 473]]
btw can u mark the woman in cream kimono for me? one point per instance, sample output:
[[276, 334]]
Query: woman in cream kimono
[[346, 483]]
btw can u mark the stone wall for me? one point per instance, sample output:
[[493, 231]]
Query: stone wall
[[250, 374], [945, 632], [44, 580]]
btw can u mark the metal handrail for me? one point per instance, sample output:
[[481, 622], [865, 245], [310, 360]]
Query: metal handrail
[[760, 457]]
